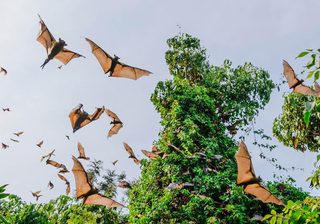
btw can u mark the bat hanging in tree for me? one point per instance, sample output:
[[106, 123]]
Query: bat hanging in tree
[[117, 123], [296, 84], [113, 66], [86, 191], [79, 118], [247, 177], [82, 154], [131, 153], [55, 49]]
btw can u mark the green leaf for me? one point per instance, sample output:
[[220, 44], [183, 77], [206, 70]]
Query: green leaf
[[316, 75], [306, 117], [310, 74], [318, 157], [312, 62], [302, 54]]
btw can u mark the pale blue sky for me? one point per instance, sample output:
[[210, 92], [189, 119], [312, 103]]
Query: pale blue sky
[[263, 33]]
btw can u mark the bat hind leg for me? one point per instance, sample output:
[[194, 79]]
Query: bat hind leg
[[44, 63]]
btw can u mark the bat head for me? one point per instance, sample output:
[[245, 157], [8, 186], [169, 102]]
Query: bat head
[[116, 57], [62, 42]]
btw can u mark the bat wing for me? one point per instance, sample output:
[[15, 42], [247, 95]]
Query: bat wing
[[53, 163], [289, 74], [112, 115], [114, 130], [79, 119], [262, 193], [104, 59], [40, 144], [66, 55], [81, 179], [99, 199], [45, 37], [126, 71], [148, 154], [3, 70], [154, 149], [245, 169], [63, 178], [81, 150], [128, 149], [305, 90], [68, 188]]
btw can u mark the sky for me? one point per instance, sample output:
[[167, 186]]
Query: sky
[[261, 32]]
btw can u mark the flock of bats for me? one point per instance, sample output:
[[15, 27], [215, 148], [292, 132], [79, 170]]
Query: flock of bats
[[80, 118]]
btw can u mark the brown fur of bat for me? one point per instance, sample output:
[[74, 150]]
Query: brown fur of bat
[[82, 154], [247, 178], [79, 118], [124, 184], [113, 66], [86, 191], [131, 153], [296, 84]]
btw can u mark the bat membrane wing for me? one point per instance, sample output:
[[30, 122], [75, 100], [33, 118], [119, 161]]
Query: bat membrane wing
[[305, 90], [289, 74], [66, 55], [44, 36], [261, 193], [126, 71], [81, 178], [99, 199]]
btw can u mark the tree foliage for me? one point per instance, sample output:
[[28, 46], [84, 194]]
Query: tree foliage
[[198, 108]]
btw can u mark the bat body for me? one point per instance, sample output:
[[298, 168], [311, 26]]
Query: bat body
[[40, 144], [82, 154], [113, 66], [247, 178], [117, 123], [114, 162], [18, 133], [131, 153], [66, 182], [79, 118], [14, 140], [55, 49], [86, 191], [50, 185], [4, 71], [296, 84], [36, 194]]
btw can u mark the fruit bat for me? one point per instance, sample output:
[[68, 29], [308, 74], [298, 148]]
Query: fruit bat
[[82, 154], [124, 184], [6, 109], [113, 66], [48, 155], [117, 123], [86, 191], [55, 49], [296, 84], [36, 194], [14, 140], [62, 167], [247, 177], [150, 155], [173, 186], [67, 136], [4, 71], [40, 144], [114, 162], [131, 153], [4, 146], [66, 182], [18, 133], [79, 118], [50, 185]]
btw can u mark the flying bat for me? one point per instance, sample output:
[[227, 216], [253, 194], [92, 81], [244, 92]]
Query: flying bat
[[82, 154], [66, 182], [124, 184], [18, 133], [48, 155], [6, 109], [113, 66], [36, 194], [62, 167], [131, 153], [67, 136], [117, 123], [86, 191], [50, 185], [174, 186], [150, 155], [40, 144], [79, 118], [4, 71], [55, 49], [14, 140], [114, 162], [247, 178], [296, 84], [4, 146]]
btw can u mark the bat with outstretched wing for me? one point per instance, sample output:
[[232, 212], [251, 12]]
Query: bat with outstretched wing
[[63, 178], [86, 191], [113, 66], [296, 84], [131, 153], [82, 154], [50, 185], [150, 155], [36, 194], [79, 118], [62, 167], [247, 177], [4, 146], [18, 133], [4, 71], [39, 144], [114, 162], [14, 140], [48, 155], [54, 48], [117, 123]]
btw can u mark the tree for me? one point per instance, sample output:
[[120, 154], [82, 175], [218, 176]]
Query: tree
[[198, 109]]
